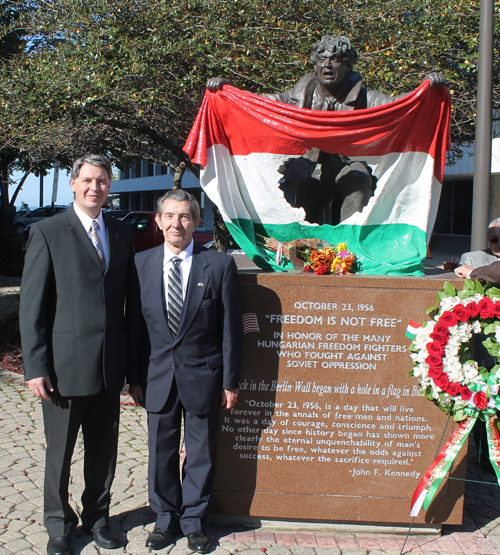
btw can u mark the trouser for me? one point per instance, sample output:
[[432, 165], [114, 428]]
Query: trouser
[[98, 415], [179, 505]]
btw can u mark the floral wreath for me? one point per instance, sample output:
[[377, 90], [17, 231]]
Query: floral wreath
[[442, 352]]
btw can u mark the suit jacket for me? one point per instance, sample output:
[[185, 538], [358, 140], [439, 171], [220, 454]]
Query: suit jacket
[[490, 272], [474, 259], [79, 324], [205, 355]]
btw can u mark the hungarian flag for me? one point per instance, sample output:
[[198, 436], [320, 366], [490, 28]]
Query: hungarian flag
[[242, 139]]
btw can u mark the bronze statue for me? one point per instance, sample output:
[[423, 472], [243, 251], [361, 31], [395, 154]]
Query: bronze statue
[[315, 180]]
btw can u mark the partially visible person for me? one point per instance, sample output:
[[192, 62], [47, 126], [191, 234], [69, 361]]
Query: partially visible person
[[79, 316], [191, 305], [473, 260]]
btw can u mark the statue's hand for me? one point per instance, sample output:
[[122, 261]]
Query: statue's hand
[[215, 83], [436, 79]]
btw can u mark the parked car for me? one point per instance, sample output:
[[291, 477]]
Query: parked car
[[21, 222], [147, 235], [119, 214]]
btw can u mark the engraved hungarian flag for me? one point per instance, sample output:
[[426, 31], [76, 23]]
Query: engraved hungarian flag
[[241, 139]]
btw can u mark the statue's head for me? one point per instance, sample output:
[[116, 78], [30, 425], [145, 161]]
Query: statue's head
[[333, 58], [335, 45]]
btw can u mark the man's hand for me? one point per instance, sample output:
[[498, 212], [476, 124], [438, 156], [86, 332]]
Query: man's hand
[[463, 271], [41, 386], [135, 391], [229, 397], [214, 84], [436, 79]]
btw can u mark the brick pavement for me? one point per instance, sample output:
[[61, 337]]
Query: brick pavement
[[21, 481]]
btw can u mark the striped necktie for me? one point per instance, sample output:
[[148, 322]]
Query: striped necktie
[[96, 241], [174, 296]]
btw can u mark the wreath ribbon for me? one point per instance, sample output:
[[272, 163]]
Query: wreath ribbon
[[428, 486]]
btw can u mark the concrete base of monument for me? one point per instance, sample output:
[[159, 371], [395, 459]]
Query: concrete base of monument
[[253, 523], [329, 427]]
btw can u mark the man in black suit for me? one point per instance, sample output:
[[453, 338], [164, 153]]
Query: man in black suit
[[78, 317], [191, 305]]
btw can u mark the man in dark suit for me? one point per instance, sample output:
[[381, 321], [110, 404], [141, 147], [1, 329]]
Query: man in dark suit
[[191, 305], [79, 310]]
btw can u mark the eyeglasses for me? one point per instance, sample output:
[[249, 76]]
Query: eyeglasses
[[494, 240]]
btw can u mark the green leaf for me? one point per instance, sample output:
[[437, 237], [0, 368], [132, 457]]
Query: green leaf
[[469, 285], [449, 289], [440, 296], [431, 309], [479, 287], [459, 415], [490, 328], [492, 347], [493, 292]]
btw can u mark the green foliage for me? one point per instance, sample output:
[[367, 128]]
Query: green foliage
[[126, 79], [129, 76]]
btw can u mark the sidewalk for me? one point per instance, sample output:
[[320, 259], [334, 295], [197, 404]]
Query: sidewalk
[[21, 497]]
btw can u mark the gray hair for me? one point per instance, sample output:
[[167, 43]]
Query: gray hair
[[93, 160], [179, 195], [340, 45], [495, 223]]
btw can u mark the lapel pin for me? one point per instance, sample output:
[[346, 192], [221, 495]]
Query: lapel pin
[[200, 284]]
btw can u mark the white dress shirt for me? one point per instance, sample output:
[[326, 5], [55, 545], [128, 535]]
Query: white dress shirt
[[87, 226], [186, 257]]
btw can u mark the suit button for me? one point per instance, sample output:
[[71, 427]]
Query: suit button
[[172, 366]]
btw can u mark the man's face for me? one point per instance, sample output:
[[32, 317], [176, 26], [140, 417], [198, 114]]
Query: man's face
[[494, 239], [330, 69], [91, 189], [177, 224]]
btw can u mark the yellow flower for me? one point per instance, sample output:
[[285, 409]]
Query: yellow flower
[[341, 247]]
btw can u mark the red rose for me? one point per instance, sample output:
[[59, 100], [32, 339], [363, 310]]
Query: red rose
[[440, 329], [435, 361], [441, 339], [480, 400], [435, 349], [486, 308], [442, 381], [448, 319], [465, 393], [321, 270], [453, 389], [496, 310], [461, 313], [434, 372], [307, 268], [472, 309]]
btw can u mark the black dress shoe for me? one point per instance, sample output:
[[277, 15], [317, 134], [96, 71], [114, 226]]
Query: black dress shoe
[[197, 541], [105, 537], [158, 539], [59, 546]]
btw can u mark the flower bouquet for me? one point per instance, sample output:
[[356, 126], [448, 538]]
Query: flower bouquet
[[313, 255]]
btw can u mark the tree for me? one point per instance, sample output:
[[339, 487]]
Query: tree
[[126, 79]]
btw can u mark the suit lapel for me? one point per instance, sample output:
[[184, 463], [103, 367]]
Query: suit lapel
[[112, 239], [81, 236], [197, 283], [156, 289]]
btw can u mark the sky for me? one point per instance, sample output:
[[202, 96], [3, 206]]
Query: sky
[[30, 193]]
